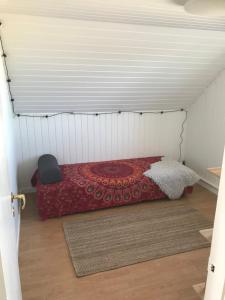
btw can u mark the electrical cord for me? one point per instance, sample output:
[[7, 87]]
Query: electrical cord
[[181, 136]]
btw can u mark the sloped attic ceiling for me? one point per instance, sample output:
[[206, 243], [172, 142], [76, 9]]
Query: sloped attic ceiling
[[59, 62]]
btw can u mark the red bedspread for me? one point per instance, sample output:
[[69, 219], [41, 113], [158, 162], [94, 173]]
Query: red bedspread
[[91, 186]]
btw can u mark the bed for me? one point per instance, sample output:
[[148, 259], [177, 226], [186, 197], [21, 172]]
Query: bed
[[97, 185]]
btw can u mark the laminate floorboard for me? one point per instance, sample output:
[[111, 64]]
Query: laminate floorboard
[[47, 272]]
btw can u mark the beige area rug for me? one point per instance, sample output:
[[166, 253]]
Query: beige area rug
[[114, 241]]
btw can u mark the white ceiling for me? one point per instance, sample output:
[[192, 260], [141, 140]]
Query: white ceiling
[[145, 12], [63, 64]]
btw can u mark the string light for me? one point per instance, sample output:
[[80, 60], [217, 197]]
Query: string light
[[96, 114], [12, 99], [9, 80]]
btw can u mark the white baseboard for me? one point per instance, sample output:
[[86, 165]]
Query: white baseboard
[[209, 186]]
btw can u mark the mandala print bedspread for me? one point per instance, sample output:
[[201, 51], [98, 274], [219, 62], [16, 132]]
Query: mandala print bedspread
[[91, 186]]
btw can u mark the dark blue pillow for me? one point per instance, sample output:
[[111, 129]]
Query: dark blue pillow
[[48, 169]]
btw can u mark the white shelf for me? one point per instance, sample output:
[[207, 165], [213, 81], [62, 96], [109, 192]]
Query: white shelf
[[215, 171]]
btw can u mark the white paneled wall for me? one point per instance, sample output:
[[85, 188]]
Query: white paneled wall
[[83, 138], [206, 130]]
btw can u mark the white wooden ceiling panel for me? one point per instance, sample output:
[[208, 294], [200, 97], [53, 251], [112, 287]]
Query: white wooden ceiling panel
[[145, 12], [65, 64]]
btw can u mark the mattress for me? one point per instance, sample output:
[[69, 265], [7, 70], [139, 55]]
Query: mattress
[[96, 185]]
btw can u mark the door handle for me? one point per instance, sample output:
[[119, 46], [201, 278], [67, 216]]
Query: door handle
[[21, 198]]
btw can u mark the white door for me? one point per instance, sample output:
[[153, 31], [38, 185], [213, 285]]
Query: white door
[[216, 272], [9, 269]]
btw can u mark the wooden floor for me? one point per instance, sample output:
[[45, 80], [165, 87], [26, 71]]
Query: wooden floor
[[47, 272]]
